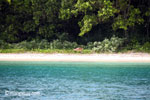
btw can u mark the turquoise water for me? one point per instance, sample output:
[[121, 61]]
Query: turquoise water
[[74, 81]]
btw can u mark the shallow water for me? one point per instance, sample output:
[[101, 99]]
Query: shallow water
[[74, 81]]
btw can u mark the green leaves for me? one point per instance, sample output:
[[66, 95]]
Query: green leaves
[[108, 45], [28, 19], [147, 13], [106, 11], [45, 16], [120, 23], [86, 23], [83, 6], [9, 1], [65, 14], [65, 10], [93, 12], [129, 20]]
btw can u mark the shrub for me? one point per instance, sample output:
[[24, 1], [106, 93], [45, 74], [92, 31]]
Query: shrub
[[69, 45], [21, 45], [107, 45], [4, 45], [26, 45], [146, 47], [134, 44], [36, 44], [89, 45], [43, 44], [56, 44]]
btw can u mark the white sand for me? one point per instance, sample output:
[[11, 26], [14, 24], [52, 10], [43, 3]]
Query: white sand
[[129, 57]]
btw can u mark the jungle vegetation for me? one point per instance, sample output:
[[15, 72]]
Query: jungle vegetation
[[97, 25]]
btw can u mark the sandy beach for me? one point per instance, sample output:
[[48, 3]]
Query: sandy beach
[[129, 57]]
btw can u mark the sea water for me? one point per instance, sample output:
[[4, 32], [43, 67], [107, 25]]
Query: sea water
[[74, 81]]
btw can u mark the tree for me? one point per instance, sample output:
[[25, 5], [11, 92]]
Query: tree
[[92, 12], [45, 15], [95, 12]]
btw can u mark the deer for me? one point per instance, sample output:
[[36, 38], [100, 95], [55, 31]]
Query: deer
[[78, 49]]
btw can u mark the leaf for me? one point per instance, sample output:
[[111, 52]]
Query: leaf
[[9, 1]]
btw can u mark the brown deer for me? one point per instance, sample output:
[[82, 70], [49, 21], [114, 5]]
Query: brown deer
[[78, 49]]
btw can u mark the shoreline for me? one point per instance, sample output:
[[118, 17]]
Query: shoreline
[[123, 57]]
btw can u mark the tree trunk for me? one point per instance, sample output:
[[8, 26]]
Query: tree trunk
[[148, 37], [147, 27]]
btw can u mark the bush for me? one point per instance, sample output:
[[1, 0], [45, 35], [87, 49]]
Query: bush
[[107, 45], [56, 44], [4, 45], [36, 44], [135, 45], [26, 45], [89, 45], [43, 44], [69, 45], [146, 47]]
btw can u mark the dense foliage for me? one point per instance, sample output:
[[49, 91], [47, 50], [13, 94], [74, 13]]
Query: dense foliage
[[107, 45], [64, 24]]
